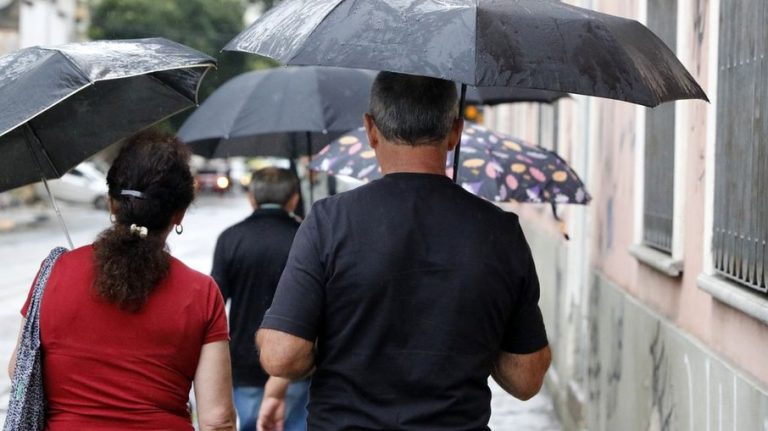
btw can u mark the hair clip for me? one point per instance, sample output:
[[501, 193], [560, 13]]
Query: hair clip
[[133, 193], [139, 230]]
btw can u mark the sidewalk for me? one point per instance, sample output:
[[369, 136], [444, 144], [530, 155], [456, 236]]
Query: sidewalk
[[21, 217], [509, 413]]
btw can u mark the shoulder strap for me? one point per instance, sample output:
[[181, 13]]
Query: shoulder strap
[[32, 327]]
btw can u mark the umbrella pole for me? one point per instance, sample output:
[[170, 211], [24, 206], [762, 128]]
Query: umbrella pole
[[58, 213], [457, 150], [309, 172], [32, 137]]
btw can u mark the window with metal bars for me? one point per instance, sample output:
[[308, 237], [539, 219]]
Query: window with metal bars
[[659, 167], [741, 155]]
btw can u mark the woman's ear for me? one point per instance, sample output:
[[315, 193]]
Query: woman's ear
[[178, 217]]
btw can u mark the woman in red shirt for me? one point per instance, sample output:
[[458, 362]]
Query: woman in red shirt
[[126, 328]]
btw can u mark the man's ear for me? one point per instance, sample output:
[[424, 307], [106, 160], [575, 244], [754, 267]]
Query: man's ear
[[252, 200], [371, 130], [455, 134], [292, 203]]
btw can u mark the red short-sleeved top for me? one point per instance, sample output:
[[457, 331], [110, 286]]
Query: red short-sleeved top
[[108, 369]]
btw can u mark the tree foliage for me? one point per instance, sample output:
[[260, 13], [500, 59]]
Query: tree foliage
[[206, 25]]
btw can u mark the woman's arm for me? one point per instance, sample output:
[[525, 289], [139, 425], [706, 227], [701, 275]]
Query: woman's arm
[[213, 388], [12, 363]]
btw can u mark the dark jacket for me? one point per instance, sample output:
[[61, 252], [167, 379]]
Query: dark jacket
[[247, 264]]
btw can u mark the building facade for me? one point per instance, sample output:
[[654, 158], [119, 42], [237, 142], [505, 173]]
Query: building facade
[[657, 308]]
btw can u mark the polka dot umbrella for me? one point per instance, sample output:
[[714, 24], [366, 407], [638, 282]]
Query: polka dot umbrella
[[494, 166]]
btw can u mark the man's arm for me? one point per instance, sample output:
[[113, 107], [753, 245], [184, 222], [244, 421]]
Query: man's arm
[[521, 375], [284, 355], [220, 269], [272, 410]]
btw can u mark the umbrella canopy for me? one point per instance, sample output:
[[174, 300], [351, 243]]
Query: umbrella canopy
[[499, 95], [63, 104], [496, 167], [283, 112], [540, 44]]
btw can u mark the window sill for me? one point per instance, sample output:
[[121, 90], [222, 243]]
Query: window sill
[[735, 296], [657, 260]]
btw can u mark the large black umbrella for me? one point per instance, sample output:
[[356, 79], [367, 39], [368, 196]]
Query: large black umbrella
[[63, 104], [540, 44], [283, 112]]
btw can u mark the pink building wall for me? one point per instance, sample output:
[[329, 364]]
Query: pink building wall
[[703, 329]]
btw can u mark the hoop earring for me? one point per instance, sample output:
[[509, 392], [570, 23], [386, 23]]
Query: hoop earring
[[179, 229]]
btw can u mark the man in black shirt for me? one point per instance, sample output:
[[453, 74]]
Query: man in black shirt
[[247, 263], [413, 290]]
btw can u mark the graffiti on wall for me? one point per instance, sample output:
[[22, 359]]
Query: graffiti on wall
[[661, 407], [615, 360], [672, 383]]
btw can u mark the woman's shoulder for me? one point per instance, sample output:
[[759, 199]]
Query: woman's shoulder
[[78, 257], [181, 272]]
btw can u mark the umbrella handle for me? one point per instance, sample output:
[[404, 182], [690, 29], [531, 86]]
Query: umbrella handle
[[58, 213], [560, 222], [457, 150]]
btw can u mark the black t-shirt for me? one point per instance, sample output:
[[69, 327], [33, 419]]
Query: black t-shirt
[[411, 286], [247, 263]]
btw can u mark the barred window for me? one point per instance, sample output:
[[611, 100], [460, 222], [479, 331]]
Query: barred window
[[741, 154], [659, 183]]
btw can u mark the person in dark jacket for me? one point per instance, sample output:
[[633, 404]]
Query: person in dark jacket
[[247, 263]]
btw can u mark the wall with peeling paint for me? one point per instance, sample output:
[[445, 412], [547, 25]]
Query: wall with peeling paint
[[635, 349]]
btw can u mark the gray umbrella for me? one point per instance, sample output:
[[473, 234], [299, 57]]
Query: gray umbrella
[[63, 104], [283, 112], [540, 44]]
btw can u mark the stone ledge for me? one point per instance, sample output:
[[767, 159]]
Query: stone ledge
[[657, 260], [732, 294]]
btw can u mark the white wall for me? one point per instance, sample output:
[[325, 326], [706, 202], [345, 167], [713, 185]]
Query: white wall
[[47, 22]]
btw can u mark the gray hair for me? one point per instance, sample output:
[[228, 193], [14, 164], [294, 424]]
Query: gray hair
[[273, 186], [413, 110]]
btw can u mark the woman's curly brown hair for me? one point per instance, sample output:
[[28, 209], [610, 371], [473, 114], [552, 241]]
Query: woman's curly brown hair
[[128, 266]]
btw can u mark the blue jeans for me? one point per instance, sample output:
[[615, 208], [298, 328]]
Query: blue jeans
[[248, 400]]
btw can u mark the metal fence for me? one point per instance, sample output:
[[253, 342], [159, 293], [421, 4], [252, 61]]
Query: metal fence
[[659, 186], [741, 180]]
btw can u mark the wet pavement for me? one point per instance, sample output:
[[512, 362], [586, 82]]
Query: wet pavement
[[22, 250]]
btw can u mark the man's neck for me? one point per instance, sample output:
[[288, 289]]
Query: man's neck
[[425, 159], [270, 207]]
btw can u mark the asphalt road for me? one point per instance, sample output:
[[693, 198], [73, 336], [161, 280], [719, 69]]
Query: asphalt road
[[22, 250]]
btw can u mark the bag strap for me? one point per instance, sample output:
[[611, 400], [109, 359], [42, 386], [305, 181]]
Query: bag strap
[[32, 325]]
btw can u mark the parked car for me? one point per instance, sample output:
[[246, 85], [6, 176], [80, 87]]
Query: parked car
[[84, 184], [212, 179]]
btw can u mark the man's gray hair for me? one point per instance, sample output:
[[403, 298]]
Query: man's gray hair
[[273, 186], [413, 110]]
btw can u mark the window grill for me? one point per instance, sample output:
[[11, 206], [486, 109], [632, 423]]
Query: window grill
[[659, 184], [741, 156]]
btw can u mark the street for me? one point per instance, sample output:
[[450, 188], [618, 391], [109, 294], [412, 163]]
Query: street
[[21, 252]]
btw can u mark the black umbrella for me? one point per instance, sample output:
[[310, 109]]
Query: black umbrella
[[540, 44], [283, 112], [63, 104], [499, 95]]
